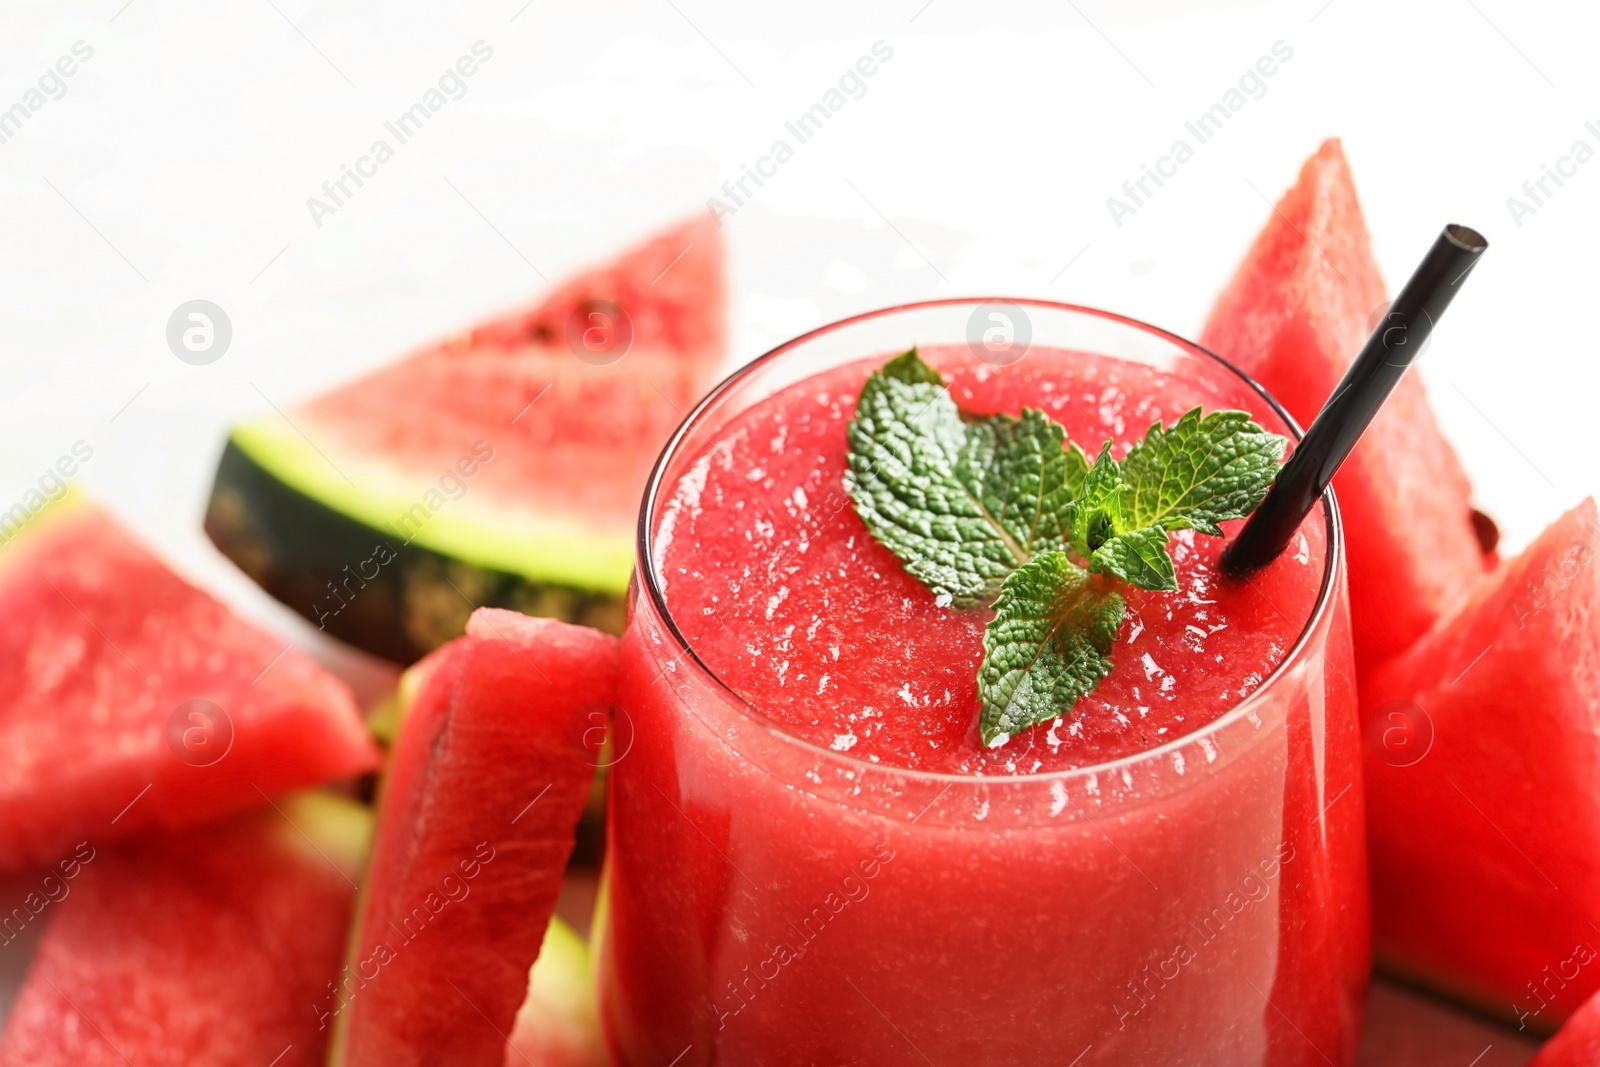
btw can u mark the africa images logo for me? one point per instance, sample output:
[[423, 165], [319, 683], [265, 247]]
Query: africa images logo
[[805, 126], [1251, 85], [338, 191], [51, 85]]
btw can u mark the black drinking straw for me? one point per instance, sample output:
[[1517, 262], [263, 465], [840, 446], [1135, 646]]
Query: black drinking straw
[[1393, 346]]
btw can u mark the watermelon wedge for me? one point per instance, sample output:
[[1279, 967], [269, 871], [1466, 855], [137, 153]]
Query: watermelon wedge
[[476, 820], [558, 1024], [503, 467], [1294, 316], [211, 946], [130, 699], [1485, 845], [1577, 1044]]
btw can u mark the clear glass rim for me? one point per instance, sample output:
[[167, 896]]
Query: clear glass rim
[[645, 560]]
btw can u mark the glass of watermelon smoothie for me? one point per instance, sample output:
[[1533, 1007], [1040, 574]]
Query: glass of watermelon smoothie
[[813, 860]]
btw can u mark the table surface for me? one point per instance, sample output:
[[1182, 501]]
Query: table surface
[[1410, 1029]]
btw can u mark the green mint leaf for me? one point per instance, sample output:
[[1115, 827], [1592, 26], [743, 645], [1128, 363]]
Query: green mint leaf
[[961, 503], [907, 442], [1198, 472], [908, 367], [1077, 469], [1139, 557], [1048, 644], [1096, 514], [1022, 474]]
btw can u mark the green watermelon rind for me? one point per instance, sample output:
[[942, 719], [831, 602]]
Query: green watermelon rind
[[556, 549], [298, 546], [561, 986], [52, 511], [329, 827], [562, 971]]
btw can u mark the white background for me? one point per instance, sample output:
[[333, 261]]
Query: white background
[[178, 164]]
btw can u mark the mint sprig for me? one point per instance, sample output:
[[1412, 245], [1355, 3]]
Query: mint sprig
[[1006, 511], [1200, 471]]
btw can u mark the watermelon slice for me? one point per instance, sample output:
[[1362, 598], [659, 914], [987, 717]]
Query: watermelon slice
[[211, 946], [1485, 847], [129, 699], [502, 467], [1294, 316], [558, 1024], [476, 819], [1576, 1045]]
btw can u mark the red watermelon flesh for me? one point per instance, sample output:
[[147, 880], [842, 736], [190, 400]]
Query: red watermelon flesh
[[586, 445], [476, 821], [1294, 317], [207, 947], [1578, 1042], [1485, 852], [100, 644]]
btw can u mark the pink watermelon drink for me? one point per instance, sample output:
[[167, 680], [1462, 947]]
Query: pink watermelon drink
[[816, 857]]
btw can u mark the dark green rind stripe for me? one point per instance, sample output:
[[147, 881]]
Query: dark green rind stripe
[[363, 585]]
